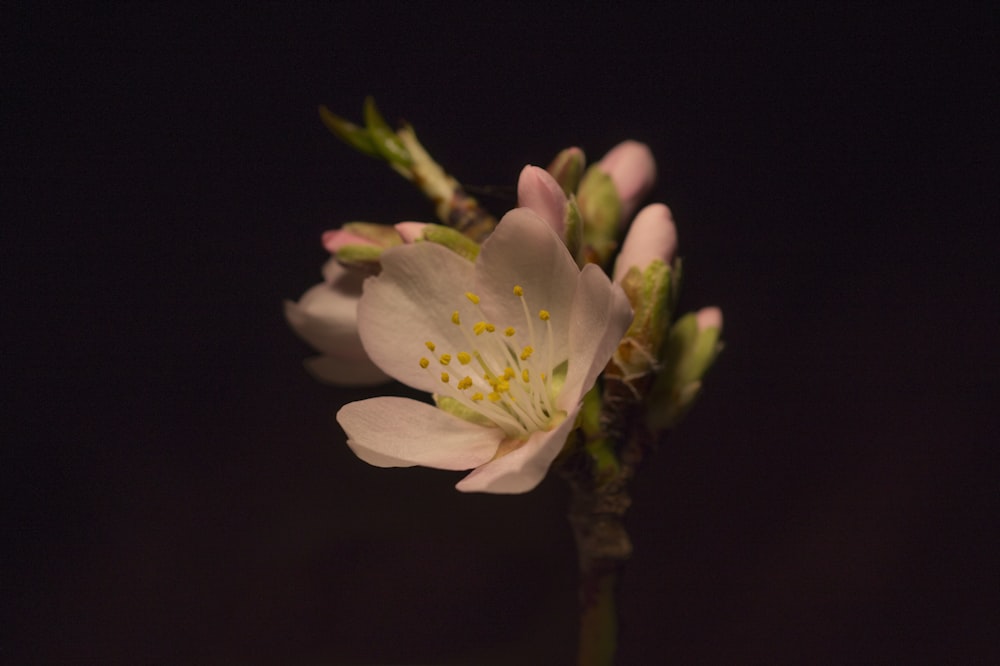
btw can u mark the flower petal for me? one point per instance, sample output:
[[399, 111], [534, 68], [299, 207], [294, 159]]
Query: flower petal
[[341, 371], [539, 191], [326, 318], [601, 315], [399, 432], [410, 303], [522, 469], [525, 251]]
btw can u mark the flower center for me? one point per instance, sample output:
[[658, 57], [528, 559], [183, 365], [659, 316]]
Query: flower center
[[504, 373]]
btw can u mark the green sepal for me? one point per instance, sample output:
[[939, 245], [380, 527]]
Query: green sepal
[[382, 235], [689, 353], [452, 239], [359, 256], [567, 169], [601, 210], [354, 136], [455, 408], [383, 138], [574, 228]]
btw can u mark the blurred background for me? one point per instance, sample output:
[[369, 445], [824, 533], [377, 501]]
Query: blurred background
[[178, 492]]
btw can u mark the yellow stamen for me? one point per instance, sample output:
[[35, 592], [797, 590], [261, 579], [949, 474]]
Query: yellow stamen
[[508, 372], [479, 327], [476, 397], [524, 376], [464, 383], [494, 397], [527, 352], [544, 315], [429, 345], [454, 318], [445, 359], [464, 358], [509, 331], [472, 297], [424, 363], [518, 291], [445, 377], [490, 328]]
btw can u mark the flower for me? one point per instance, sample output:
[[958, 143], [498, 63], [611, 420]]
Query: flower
[[326, 317], [651, 236], [632, 169], [509, 345]]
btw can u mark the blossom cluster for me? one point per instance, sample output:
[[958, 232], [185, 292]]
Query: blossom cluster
[[509, 330]]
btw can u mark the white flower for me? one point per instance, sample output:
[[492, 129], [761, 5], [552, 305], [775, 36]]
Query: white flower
[[509, 345], [326, 317]]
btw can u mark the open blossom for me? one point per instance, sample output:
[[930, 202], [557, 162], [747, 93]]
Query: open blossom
[[509, 345], [326, 317]]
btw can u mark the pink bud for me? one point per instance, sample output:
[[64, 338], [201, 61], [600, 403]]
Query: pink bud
[[410, 231], [652, 235], [337, 238], [539, 191], [633, 171], [710, 317]]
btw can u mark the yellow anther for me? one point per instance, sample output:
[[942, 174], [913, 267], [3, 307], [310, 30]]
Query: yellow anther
[[479, 327], [429, 345], [527, 352], [464, 358], [509, 331], [524, 376], [502, 386], [472, 297], [518, 291], [476, 397], [454, 318], [464, 383], [490, 327], [544, 315], [544, 376], [445, 377], [494, 397], [508, 373], [424, 363], [445, 359]]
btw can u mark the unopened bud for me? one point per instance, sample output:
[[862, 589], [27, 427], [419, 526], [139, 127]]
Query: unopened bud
[[567, 169], [651, 236], [539, 191], [632, 168]]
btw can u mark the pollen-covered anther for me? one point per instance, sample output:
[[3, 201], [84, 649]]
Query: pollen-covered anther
[[430, 345], [527, 352], [445, 359], [472, 297], [455, 318], [494, 397], [464, 358], [524, 376], [508, 373], [464, 383], [509, 331], [445, 378], [544, 315], [476, 397], [479, 327], [518, 290], [424, 363]]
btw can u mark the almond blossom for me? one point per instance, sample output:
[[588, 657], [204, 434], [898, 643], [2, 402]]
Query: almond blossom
[[508, 345]]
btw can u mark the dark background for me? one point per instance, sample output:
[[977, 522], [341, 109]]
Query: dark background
[[179, 491]]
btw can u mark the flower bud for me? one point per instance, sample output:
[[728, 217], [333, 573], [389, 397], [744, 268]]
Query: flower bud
[[651, 236], [567, 168], [539, 191], [632, 169], [690, 350]]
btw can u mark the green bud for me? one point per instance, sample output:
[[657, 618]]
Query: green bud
[[452, 239], [567, 168], [649, 291], [689, 353], [382, 235], [354, 136], [601, 211], [365, 257], [383, 138]]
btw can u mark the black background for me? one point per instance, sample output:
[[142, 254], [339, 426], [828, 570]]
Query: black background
[[180, 493]]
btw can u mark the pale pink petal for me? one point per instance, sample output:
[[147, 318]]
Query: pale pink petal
[[601, 315], [539, 191], [633, 170], [410, 231], [399, 432], [337, 238], [411, 303], [524, 251], [652, 235], [522, 469], [326, 318], [345, 371], [710, 317]]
